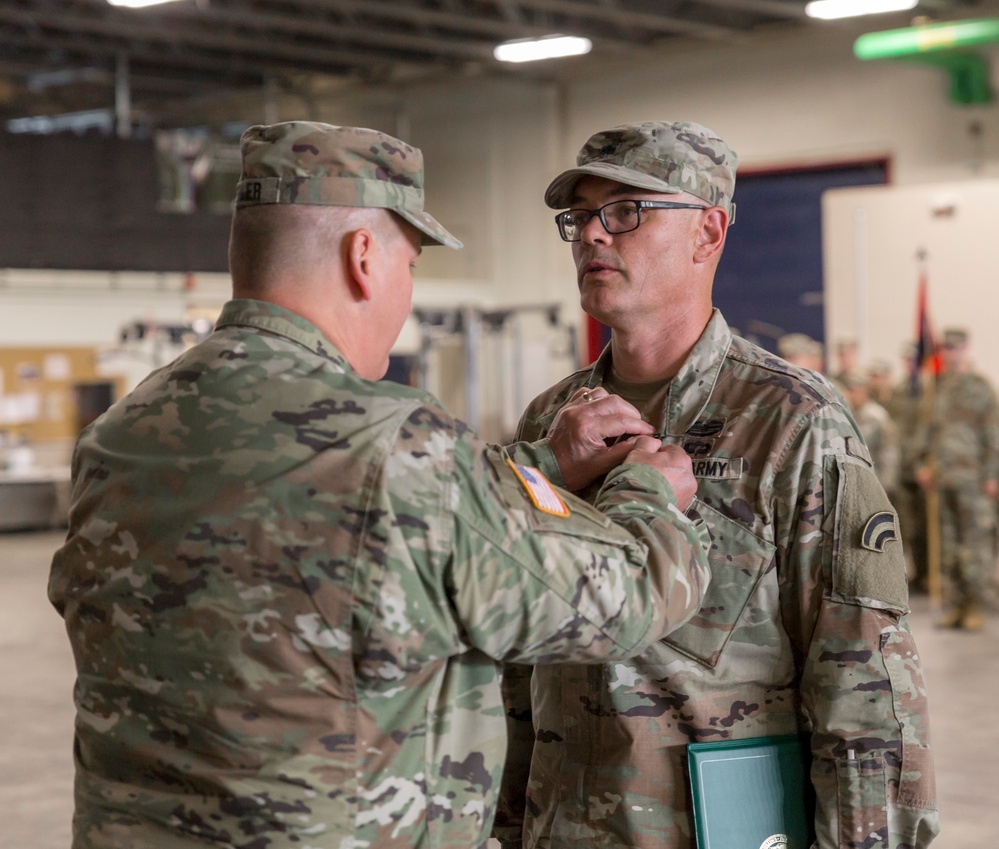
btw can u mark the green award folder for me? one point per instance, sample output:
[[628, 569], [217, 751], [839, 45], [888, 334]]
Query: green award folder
[[752, 794]]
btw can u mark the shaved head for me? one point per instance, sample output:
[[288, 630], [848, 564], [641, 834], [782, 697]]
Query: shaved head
[[274, 244]]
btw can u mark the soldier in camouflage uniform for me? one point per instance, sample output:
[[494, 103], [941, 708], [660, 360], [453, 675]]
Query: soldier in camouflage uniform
[[876, 426], [961, 459], [289, 587], [905, 406], [804, 625]]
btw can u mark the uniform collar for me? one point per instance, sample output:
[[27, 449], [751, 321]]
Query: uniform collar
[[262, 315], [690, 391]]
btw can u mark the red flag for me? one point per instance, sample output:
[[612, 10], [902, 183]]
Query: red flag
[[926, 357]]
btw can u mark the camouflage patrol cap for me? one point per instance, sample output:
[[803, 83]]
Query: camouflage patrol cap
[[855, 381], [955, 337], [798, 344], [657, 156], [311, 163], [879, 367]]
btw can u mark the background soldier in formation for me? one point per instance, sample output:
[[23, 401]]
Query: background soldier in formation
[[959, 457], [906, 411], [877, 428], [800, 349]]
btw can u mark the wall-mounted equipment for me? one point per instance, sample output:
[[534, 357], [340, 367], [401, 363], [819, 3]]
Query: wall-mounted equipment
[[943, 45]]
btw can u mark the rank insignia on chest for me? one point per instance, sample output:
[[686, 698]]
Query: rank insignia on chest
[[539, 490], [718, 468], [711, 427]]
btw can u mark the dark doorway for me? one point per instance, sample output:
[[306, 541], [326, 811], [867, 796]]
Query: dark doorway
[[769, 280]]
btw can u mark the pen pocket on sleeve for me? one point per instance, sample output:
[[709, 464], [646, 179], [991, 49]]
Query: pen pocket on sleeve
[[862, 798]]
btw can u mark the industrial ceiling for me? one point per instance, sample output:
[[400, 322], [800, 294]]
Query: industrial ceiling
[[66, 57]]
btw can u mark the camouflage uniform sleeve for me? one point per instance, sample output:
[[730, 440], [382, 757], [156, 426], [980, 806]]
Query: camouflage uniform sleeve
[[535, 583], [844, 603], [508, 822], [644, 503], [540, 455]]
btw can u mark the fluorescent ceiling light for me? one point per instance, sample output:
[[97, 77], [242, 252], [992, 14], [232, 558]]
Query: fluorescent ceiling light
[[829, 9], [138, 4], [547, 47]]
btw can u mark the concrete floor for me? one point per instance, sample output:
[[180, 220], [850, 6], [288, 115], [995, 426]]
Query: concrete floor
[[36, 716]]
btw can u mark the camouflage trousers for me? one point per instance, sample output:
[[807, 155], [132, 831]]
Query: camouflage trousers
[[967, 557]]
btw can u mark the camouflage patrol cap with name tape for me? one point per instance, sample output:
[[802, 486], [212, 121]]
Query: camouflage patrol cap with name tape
[[306, 162], [668, 157]]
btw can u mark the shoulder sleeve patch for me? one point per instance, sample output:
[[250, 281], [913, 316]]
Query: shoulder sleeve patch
[[881, 529], [869, 565], [542, 494]]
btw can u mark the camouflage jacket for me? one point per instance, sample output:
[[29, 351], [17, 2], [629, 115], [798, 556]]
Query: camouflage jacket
[[962, 433], [803, 629], [288, 590]]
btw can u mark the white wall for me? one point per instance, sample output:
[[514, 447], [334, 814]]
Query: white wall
[[873, 239]]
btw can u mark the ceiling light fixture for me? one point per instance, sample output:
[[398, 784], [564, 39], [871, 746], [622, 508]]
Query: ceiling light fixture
[[546, 47], [138, 4], [827, 10]]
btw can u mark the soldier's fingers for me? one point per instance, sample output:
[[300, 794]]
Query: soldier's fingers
[[649, 444], [614, 417], [587, 395]]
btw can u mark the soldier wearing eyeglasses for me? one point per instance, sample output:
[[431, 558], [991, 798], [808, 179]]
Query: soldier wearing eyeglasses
[[803, 629]]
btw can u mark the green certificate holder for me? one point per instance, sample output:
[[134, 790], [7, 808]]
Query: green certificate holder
[[752, 794]]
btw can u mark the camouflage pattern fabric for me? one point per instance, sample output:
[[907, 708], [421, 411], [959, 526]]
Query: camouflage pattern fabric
[[803, 628], [322, 164], [669, 157], [962, 437], [289, 589]]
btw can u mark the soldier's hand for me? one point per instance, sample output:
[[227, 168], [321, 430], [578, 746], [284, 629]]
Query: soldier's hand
[[671, 461], [592, 434]]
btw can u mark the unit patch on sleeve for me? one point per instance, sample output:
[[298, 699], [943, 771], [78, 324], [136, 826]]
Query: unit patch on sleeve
[[879, 531], [539, 489]]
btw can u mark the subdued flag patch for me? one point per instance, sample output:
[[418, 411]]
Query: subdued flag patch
[[540, 490], [879, 531]]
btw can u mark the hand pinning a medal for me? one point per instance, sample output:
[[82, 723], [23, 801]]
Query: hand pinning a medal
[[596, 431]]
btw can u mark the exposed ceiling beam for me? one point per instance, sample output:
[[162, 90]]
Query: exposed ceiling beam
[[390, 10], [311, 26], [650, 22], [777, 8], [151, 32], [79, 48]]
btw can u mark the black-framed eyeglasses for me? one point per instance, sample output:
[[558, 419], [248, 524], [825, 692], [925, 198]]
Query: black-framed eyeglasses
[[619, 216]]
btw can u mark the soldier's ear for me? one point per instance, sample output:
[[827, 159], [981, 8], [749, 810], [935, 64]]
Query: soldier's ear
[[362, 259], [710, 234]]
